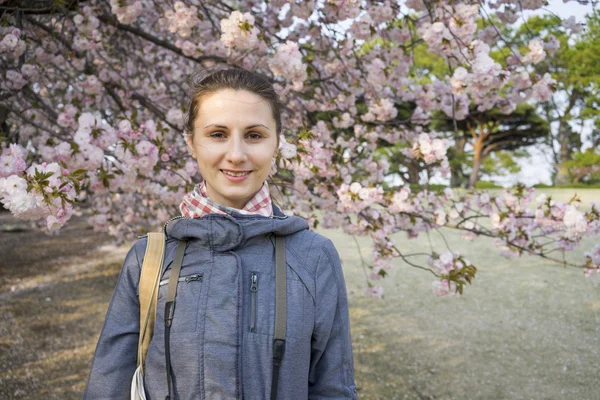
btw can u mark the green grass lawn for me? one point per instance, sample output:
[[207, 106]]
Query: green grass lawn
[[525, 329]]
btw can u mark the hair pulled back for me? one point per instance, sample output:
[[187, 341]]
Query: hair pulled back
[[209, 82]]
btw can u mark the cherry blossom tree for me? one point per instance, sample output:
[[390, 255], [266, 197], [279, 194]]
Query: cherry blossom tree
[[93, 95]]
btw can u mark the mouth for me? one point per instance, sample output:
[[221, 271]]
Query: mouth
[[235, 174]]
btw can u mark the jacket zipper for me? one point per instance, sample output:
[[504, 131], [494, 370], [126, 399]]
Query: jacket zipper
[[253, 290], [186, 279]]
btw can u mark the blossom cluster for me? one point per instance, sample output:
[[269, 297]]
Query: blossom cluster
[[126, 11], [181, 21], [431, 150], [239, 30], [354, 198], [382, 110], [89, 35], [287, 63], [43, 193], [286, 149], [11, 42], [12, 161]]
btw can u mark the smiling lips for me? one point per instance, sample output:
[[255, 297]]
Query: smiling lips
[[235, 176], [235, 173]]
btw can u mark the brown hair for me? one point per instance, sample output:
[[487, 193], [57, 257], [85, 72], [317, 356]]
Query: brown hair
[[203, 83]]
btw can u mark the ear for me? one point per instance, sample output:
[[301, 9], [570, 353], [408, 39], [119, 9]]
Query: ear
[[189, 139]]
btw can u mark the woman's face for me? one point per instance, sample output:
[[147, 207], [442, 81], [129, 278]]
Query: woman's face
[[234, 141]]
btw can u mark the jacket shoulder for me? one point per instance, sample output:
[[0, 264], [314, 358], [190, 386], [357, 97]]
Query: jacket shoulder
[[306, 247], [138, 250]]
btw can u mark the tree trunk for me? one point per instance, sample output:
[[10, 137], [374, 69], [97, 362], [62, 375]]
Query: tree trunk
[[475, 172], [456, 178], [562, 171], [413, 172], [477, 155]]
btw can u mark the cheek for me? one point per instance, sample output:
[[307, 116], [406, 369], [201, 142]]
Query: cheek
[[207, 155], [262, 160]]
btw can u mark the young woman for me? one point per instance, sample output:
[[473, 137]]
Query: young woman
[[221, 338]]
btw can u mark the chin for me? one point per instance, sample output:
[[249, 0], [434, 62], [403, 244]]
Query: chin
[[237, 194]]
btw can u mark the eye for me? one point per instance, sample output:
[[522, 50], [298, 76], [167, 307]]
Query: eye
[[217, 135], [254, 136]]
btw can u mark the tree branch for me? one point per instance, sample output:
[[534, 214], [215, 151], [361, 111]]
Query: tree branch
[[159, 42], [38, 100], [115, 97], [148, 104], [46, 7], [56, 35]]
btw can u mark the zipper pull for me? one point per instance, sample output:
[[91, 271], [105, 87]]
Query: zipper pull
[[193, 278], [254, 286]]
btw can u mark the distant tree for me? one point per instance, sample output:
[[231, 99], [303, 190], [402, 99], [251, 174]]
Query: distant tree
[[502, 163], [498, 163], [585, 166], [576, 99], [494, 131]]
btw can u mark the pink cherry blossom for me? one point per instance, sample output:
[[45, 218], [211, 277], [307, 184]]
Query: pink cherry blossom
[[182, 20], [127, 11], [536, 52], [542, 89], [105, 113], [287, 63], [12, 160], [239, 31]]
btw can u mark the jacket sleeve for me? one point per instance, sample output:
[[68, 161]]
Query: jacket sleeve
[[115, 359], [331, 374]]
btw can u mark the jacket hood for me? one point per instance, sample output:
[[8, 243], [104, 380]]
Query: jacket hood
[[224, 232]]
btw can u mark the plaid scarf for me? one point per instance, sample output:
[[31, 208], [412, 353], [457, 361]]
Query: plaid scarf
[[197, 204]]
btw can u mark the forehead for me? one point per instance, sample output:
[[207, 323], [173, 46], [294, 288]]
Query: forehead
[[228, 106]]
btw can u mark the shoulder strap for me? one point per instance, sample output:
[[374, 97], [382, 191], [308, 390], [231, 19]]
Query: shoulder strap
[[148, 291], [170, 309], [280, 288], [280, 311]]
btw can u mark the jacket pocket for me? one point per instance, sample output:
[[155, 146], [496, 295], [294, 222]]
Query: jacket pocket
[[187, 302], [253, 300]]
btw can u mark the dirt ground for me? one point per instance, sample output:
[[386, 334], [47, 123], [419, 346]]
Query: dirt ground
[[54, 294], [524, 330]]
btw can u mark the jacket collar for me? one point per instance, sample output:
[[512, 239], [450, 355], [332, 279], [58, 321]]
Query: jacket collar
[[223, 232]]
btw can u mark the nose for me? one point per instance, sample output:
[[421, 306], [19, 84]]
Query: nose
[[236, 152]]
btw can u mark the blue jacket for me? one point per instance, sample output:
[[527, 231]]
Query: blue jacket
[[217, 351]]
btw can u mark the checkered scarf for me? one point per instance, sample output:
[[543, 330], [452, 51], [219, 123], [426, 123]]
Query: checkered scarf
[[196, 204]]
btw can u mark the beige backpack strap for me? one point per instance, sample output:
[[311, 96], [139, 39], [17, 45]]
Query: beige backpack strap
[[148, 291]]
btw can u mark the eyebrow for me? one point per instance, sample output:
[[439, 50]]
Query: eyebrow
[[248, 127]]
